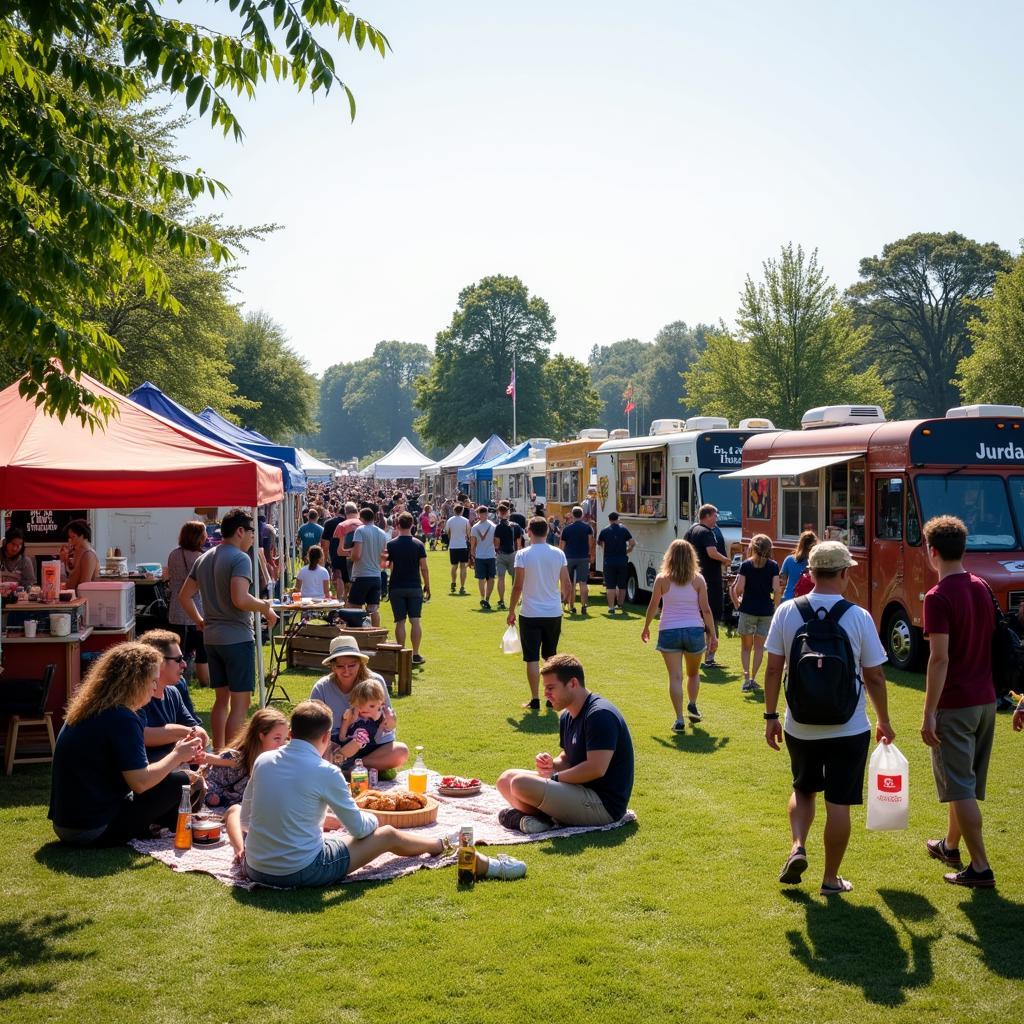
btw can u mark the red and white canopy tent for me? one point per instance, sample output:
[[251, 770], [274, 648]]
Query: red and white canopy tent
[[139, 460]]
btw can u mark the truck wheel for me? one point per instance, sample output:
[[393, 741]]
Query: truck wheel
[[632, 587], [903, 641]]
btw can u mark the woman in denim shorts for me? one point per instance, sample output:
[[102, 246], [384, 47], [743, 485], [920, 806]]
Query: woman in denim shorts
[[686, 626], [755, 593]]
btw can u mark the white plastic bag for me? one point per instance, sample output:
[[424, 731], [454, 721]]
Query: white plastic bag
[[888, 789], [510, 641]]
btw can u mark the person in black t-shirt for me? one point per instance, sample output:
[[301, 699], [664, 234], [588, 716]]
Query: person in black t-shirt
[[407, 558], [330, 525], [706, 538], [590, 781], [509, 537]]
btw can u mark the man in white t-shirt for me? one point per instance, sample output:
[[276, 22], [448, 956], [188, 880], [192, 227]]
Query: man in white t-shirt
[[542, 581], [826, 758], [483, 556], [457, 529]]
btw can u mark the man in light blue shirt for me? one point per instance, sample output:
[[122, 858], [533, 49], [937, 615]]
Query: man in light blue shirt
[[285, 806], [368, 543]]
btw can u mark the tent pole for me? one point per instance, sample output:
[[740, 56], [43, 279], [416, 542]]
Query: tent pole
[[257, 621]]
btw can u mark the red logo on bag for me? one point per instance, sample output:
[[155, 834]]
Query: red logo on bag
[[890, 783]]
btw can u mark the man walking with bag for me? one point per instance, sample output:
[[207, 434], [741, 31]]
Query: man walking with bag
[[960, 698], [832, 655]]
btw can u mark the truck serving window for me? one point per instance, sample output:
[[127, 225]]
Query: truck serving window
[[1016, 485], [980, 501], [641, 483], [725, 495], [800, 504]]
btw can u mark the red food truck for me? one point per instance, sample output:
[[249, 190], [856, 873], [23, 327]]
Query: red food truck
[[849, 475]]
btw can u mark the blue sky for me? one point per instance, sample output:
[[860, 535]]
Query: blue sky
[[632, 163]]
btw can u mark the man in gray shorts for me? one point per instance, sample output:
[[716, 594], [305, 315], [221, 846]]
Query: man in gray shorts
[[577, 541], [222, 577], [590, 781], [508, 539], [960, 699]]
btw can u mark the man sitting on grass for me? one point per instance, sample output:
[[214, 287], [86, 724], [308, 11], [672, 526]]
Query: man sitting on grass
[[278, 833], [590, 781]]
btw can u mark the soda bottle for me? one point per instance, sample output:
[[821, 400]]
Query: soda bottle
[[467, 857], [418, 774], [183, 831], [360, 778]]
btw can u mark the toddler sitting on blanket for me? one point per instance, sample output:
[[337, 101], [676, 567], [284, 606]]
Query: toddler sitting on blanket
[[363, 719], [230, 770]]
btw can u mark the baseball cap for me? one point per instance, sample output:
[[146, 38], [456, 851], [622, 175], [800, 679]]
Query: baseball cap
[[831, 555]]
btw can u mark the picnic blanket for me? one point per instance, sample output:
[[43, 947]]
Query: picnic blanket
[[480, 811]]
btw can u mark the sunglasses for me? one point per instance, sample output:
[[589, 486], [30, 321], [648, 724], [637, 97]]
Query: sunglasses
[[180, 658]]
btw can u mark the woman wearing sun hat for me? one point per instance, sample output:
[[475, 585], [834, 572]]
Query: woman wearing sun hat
[[348, 666]]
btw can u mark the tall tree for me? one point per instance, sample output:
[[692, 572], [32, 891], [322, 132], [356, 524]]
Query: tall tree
[[676, 348], [339, 435], [380, 395], [917, 298], [266, 370], [465, 391], [994, 371], [796, 348], [85, 203], [570, 397]]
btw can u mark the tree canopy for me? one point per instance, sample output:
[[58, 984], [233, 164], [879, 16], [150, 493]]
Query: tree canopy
[[796, 348], [994, 371], [917, 298], [87, 205], [570, 397], [465, 391]]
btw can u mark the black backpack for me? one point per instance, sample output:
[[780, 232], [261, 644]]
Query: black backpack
[[1007, 653], [822, 685]]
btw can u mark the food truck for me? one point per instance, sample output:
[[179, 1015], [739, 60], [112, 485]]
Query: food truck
[[522, 483], [570, 471], [657, 482], [850, 475]]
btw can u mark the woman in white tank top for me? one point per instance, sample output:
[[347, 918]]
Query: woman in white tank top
[[686, 626]]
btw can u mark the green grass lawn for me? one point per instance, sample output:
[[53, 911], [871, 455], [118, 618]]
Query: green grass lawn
[[677, 917]]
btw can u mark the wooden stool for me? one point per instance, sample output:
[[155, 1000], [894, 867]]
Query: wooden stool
[[18, 722]]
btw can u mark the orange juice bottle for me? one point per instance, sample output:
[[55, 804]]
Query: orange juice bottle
[[418, 774], [183, 833]]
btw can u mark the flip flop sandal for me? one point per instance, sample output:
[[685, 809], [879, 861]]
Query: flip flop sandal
[[837, 890], [794, 868]]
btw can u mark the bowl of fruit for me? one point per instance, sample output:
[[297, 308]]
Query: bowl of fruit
[[456, 785]]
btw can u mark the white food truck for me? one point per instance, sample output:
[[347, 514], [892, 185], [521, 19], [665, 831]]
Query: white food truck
[[521, 483], [656, 484]]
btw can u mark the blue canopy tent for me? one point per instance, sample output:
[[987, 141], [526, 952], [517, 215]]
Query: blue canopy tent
[[484, 471], [280, 456], [244, 434], [479, 487]]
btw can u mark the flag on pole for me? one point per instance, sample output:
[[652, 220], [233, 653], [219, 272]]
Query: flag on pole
[[630, 406], [511, 389]]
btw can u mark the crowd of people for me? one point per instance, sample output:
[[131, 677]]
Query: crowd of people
[[132, 741]]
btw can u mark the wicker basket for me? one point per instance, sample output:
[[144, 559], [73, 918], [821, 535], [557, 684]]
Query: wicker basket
[[409, 819]]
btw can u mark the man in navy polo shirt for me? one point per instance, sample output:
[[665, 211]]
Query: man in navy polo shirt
[[578, 544], [616, 544], [165, 718]]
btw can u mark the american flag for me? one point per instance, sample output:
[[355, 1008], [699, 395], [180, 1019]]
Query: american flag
[[511, 389]]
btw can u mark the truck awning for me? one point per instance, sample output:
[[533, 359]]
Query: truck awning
[[791, 467]]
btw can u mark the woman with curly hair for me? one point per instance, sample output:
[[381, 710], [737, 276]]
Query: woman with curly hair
[[103, 790]]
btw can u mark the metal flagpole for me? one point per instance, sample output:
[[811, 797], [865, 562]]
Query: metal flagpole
[[515, 397]]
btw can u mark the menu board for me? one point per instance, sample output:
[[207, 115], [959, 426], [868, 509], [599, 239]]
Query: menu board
[[44, 526]]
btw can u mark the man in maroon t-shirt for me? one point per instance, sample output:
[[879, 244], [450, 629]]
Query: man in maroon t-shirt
[[960, 698]]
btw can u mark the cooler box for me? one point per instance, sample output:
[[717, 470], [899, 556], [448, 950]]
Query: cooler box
[[110, 604]]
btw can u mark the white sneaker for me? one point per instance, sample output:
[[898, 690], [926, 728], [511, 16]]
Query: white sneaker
[[531, 825], [506, 868]]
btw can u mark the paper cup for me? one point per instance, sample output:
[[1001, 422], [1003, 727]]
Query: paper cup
[[30, 627]]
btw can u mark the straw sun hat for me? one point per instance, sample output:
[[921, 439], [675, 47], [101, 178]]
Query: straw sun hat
[[345, 647]]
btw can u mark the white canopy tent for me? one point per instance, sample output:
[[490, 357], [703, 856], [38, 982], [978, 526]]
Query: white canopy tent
[[403, 462], [313, 467]]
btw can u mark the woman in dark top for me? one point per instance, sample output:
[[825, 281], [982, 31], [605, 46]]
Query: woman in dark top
[[755, 593], [103, 790]]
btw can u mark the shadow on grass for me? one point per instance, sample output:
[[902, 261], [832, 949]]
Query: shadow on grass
[[90, 863], [696, 741], [568, 846], [855, 945], [998, 927], [27, 942], [29, 786], [535, 722], [906, 680], [301, 901]]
